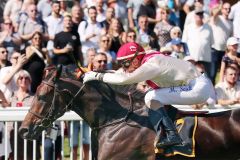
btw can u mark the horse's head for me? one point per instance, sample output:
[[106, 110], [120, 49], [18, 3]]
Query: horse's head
[[51, 101]]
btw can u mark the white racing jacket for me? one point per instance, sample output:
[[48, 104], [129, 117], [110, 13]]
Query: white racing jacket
[[162, 70]]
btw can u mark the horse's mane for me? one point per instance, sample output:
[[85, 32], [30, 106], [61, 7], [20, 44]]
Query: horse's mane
[[126, 89], [108, 90]]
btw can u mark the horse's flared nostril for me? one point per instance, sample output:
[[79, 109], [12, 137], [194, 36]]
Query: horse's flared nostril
[[23, 132]]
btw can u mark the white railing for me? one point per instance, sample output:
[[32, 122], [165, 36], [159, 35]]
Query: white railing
[[16, 114]]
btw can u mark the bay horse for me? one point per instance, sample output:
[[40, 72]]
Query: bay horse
[[120, 126]]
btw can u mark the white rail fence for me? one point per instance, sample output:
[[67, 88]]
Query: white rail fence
[[17, 114]]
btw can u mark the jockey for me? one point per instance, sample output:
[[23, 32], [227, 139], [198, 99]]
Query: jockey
[[173, 81]]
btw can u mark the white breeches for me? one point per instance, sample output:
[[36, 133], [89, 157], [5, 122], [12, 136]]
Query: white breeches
[[195, 93]]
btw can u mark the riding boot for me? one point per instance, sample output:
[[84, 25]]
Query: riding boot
[[172, 137], [156, 120]]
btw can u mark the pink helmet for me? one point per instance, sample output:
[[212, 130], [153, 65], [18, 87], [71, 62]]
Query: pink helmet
[[129, 50]]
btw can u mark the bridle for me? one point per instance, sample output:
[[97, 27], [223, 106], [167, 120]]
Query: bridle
[[47, 119]]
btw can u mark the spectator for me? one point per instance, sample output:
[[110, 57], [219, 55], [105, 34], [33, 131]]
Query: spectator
[[54, 24], [131, 35], [198, 5], [23, 14], [146, 37], [104, 47], [31, 25], [200, 47], [37, 59], [9, 38], [22, 97], [67, 45], [110, 13], [178, 48], [44, 8], [120, 7], [222, 29], [12, 9], [176, 36], [63, 7], [101, 15], [234, 15], [148, 8], [77, 17], [230, 56], [100, 62], [91, 53], [228, 91], [175, 32], [7, 84], [3, 57], [89, 32], [133, 9], [115, 32], [163, 28]]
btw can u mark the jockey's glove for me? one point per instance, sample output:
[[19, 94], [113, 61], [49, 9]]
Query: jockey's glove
[[90, 76]]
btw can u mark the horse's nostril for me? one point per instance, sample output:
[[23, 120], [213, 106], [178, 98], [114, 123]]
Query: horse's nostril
[[23, 132]]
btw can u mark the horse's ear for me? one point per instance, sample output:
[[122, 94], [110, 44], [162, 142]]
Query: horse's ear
[[59, 71]]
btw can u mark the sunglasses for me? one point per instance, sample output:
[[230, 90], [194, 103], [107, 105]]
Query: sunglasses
[[102, 61]]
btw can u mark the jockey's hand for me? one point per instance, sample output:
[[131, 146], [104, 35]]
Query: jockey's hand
[[90, 76]]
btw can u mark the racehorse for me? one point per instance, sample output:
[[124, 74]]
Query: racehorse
[[119, 121]]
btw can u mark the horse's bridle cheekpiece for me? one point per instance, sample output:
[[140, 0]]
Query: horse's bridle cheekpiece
[[47, 119]]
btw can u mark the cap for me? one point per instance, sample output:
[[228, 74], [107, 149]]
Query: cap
[[128, 50], [176, 41], [199, 11], [232, 41]]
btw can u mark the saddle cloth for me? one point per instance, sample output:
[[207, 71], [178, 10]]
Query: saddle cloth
[[186, 128], [210, 109]]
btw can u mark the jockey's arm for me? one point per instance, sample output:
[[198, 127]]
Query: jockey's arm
[[146, 71]]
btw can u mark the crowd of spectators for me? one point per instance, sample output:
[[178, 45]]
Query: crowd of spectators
[[38, 33]]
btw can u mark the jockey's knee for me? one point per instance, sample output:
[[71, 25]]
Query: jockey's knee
[[151, 102], [154, 104]]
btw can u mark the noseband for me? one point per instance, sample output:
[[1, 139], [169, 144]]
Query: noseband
[[47, 119]]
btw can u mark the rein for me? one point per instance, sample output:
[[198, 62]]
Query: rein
[[48, 117]]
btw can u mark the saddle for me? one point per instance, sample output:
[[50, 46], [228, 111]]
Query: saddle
[[206, 109], [187, 126]]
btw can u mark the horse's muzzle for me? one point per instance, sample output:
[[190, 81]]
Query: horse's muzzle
[[24, 133]]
